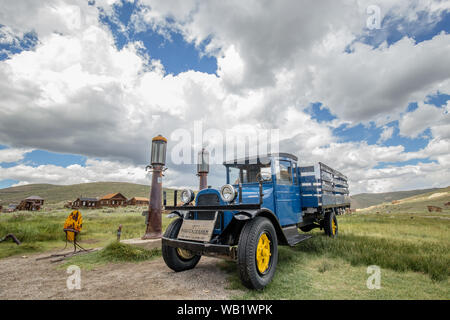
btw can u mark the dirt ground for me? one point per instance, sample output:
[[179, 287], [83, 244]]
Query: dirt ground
[[26, 278]]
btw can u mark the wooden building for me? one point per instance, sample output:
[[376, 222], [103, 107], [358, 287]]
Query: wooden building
[[83, 202], [113, 200], [33, 203], [138, 201], [11, 207]]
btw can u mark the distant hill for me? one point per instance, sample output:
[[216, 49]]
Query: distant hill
[[364, 200], [417, 204], [57, 193]]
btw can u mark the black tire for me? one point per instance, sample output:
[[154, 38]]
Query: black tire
[[329, 220], [173, 257], [250, 236]]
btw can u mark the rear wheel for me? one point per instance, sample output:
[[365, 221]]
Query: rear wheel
[[178, 259], [257, 253], [330, 224]]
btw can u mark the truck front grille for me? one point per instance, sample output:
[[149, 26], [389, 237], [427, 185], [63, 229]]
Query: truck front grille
[[209, 199]]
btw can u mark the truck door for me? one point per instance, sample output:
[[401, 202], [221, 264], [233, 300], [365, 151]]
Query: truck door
[[287, 193]]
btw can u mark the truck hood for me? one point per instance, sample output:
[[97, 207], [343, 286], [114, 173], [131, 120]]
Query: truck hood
[[250, 193]]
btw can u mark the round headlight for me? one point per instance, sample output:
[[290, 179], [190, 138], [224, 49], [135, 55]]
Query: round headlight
[[228, 193], [187, 196]]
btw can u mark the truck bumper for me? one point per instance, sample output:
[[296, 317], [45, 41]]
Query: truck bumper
[[207, 249]]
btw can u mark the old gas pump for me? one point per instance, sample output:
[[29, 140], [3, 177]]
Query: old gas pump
[[154, 214]]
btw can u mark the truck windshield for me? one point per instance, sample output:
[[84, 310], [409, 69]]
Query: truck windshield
[[249, 173]]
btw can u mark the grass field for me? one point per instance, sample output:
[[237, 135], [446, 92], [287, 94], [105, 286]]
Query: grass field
[[41, 231], [114, 252], [410, 245], [413, 254]]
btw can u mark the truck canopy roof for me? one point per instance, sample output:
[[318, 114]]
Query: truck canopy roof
[[260, 159]]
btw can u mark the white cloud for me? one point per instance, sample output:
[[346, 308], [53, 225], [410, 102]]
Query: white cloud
[[386, 134], [94, 170], [426, 116], [77, 93], [13, 154], [258, 43]]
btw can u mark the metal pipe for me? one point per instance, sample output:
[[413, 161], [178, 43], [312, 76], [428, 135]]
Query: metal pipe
[[203, 180], [154, 226], [119, 232], [203, 168]]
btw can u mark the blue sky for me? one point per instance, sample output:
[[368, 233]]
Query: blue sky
[[175, 53], [371, 133], [165, 40]]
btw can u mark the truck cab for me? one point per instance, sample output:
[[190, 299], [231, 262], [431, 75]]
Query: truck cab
[[264, 202]]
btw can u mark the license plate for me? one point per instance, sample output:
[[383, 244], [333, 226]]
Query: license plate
[[197, 230]]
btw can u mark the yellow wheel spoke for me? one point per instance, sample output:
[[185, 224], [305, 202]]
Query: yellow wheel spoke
[[333, 224], [263, 253]]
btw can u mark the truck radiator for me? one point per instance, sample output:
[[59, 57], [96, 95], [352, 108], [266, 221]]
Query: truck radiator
[[209, 199]]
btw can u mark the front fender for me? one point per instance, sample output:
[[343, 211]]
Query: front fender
[[251, 214], [174, 214]]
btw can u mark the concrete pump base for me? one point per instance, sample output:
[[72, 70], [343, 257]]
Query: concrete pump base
[[146, 244]]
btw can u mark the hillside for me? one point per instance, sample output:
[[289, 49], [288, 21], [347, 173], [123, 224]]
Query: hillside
[[57, 193], [364, 200], [416, 204]]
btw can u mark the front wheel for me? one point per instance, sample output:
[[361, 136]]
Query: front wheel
[[257, 253], [330, 224], [178, 259]]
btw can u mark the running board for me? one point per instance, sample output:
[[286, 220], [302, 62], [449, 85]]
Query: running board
[[293, 237]]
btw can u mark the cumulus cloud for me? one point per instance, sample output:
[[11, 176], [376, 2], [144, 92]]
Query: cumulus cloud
[[426, 116], [254, 51], [386, 134], [13, 154], [95, 170], [76, 92]]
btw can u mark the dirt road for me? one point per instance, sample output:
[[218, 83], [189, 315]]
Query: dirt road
[[26, 278]]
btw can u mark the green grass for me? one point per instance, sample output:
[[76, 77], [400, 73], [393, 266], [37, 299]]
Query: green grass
[[413, 254], [42, 231], [399, 256], [113, 252]]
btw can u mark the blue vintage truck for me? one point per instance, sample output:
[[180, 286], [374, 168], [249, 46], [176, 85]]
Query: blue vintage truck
[[264, 203]]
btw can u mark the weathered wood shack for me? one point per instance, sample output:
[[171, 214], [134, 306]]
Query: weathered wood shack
[[83, 202], [33, 203], [138, 201], [113, 200]]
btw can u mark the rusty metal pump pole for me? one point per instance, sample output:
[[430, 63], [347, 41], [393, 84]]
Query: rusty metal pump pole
[[158, 159], [203, 168]]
